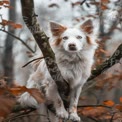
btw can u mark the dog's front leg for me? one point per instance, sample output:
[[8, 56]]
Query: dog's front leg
[[74, 97]]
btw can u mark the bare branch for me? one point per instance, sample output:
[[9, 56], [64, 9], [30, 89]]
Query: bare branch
[[32, 61], [18, 39], [115, 58]]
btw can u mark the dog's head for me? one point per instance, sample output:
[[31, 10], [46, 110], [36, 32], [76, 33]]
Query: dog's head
[[72, 39]]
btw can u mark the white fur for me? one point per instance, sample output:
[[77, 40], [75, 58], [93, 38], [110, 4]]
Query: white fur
[[75, 67]]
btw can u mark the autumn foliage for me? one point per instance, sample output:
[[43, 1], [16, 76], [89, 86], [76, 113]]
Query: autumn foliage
[[9, 95], [106, 109]]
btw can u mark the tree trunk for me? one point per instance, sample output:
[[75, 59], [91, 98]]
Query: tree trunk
[[8, 53]]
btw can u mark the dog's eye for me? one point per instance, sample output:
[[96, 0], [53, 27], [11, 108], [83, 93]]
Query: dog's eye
[[65, 38], [79, 37]]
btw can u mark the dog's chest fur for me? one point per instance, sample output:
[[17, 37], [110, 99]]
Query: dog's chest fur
[[74, 67]]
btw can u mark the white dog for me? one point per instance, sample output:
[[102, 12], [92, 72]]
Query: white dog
[[74, 51]]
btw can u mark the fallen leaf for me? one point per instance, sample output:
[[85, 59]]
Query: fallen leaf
[[109, 103]]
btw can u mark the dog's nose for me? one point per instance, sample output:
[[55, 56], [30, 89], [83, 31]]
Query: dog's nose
[[72, 46]]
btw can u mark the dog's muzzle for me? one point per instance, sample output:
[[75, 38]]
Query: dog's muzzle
[[72, 47]]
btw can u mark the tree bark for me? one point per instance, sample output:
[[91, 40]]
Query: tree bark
[[8, 53], [41, 38]]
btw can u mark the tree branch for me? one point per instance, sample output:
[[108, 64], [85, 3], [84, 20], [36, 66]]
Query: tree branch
[[41, 38], [18, 39], [115, 58]]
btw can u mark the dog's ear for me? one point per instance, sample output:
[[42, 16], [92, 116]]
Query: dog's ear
[[57, 29], [87, 26]]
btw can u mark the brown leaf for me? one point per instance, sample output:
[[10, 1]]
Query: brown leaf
[[119, 107], [18, 90], [108, 103], [120, 99], [17, 26], [37, 95], [94, 111], [95, 3], [33, 92], [6, 105]]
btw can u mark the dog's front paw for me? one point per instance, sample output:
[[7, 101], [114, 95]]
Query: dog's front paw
[[74, 117], [62, 113]]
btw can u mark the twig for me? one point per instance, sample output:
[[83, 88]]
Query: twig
[[23, 115], [48, 116], [82, 106], [111, 120], [93, 119], [18, 39], [19, 114], [83, 2], [32, 61]]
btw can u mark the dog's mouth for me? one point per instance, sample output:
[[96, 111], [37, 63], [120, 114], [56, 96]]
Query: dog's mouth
[[73, 50]]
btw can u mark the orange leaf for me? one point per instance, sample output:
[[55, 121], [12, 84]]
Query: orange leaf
[[119, 107], [18, 90], [108, 103], [94, 112], [33, 92], [120, 99], [16, 26]]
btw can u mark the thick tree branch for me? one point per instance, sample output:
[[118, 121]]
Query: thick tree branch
[[29, 17], [115, 58]]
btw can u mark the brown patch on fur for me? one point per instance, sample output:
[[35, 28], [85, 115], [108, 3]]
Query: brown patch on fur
[[87, 26], [59, 102], [57, 41], [88, 40]]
